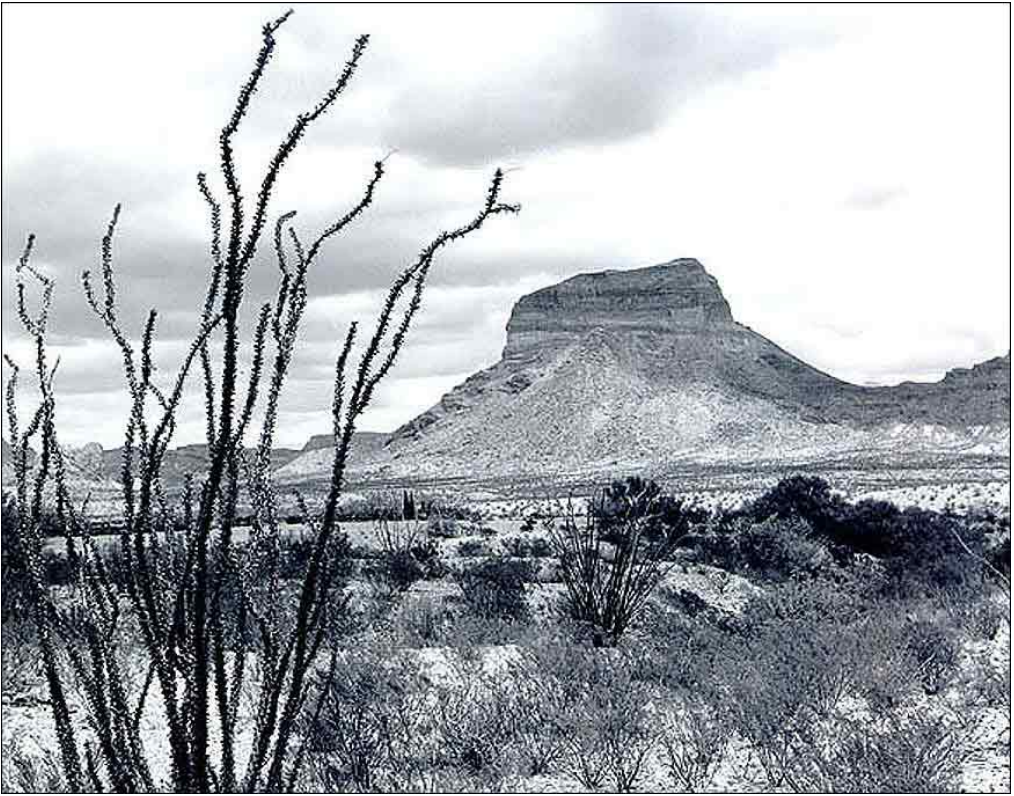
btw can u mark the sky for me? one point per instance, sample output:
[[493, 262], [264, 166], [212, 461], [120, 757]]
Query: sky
[[843, 171]]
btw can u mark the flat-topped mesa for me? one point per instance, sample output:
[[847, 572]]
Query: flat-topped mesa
[[677, 294]]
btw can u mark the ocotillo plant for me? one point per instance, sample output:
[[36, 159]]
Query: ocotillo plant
[[610, 570], [215, 620]]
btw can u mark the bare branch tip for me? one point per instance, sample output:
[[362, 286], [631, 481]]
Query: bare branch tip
[[271, 27]]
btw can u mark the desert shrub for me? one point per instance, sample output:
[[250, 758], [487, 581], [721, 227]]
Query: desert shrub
[[580, 711], [929, 549], [527, 547], [919, 548], [20, 653], [935, 652], [772, 549], [999, 555], [912, 751], [441, 527], [583, 712], [537, 710], [406, 556], [495, 588], [684, 654], [474, 548], [476, 717], [973, 614], [782, 548], [996, 689], [609, 570], [805, 497], [801, 656], [794, 659], [886, 673], [610, 730], [423, 621], [401, 569], [694, 738], [370, 730], [295, 551]]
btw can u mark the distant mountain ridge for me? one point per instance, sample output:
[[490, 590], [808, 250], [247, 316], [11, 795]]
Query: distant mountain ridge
[[642, 369], [648, 366], [91, 465]]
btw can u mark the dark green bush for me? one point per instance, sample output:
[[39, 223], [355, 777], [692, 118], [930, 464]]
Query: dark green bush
[[400, 568], [495, 588], [474, 548], [775, 548], [644, 500], [527, 547], [920, 549], [440, 527], [998, 555]]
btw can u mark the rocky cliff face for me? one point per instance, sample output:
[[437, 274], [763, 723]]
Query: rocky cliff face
[[679, 295], [629, 368]]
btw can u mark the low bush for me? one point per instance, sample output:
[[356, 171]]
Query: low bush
[[589, 715], [477, 728], [935, 652], [527, 547], [20, 653], [797, 653], [537, 710], [693, 740], [495, 588], [406, 556], [422, 621], [25, 772], [441, 527], [771, 549], [998, 554], [910, 751], [611, 733], [920, 548], [474, 548], [370, 731], [401, 569]]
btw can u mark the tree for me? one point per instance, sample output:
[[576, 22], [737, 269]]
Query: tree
[[215, 621]]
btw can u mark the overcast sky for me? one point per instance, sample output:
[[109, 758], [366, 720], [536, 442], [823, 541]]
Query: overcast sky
[[843, 171]]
